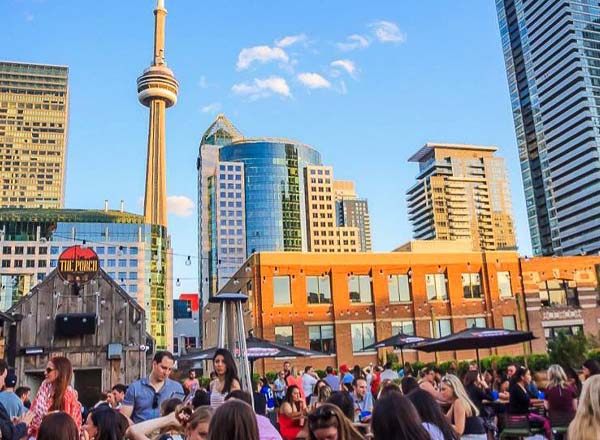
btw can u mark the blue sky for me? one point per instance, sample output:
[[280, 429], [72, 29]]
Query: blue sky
[[407, 72]]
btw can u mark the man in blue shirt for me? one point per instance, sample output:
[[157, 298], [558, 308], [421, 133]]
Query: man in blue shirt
[[13, 405], [363, 401], [144, 396], [332, 380]]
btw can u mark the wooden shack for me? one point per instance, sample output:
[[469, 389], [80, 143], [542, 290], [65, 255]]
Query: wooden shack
[[95, 323]]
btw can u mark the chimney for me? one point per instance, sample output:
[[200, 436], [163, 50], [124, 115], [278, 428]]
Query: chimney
[[105, 205], [122, 205]]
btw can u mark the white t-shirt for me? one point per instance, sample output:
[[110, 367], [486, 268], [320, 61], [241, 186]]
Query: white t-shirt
[[434, 431], [308, 382]]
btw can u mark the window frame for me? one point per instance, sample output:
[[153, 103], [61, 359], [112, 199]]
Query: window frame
[[360, 280], [361, 325], [470, 289], [289, 290], [399, 286], [277, 339], [321, 280], [436, 284], [321, 346]]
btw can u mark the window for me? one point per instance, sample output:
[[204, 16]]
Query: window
[[53, 263], [133, 251], [133, 275], [133, 288], [284, 335], [5, 263], [182, 309], [552, 332], [133, 263], [54, 250], [442, 328], [111, 263], [112, 250], [475, 322], [321, 338], [359, 288], [504, 288], [19, 250], [436, 286], [318, 289], [363, 335], [42, 263], [471, 283], [405, 327], [18, 263], [30, 250], [398, 288], [281, 290], [558, 293], [30, 263], [100, 250], [122, 276], [509, 322], [6, 250]]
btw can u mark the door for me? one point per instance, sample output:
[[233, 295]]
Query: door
[[88, 384]]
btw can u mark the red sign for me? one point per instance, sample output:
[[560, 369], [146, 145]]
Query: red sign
[[78, 265]]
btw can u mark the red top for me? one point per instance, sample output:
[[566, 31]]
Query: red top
[[298, 382], [560, 400], [375, 381], [42, 402], [288, 427]]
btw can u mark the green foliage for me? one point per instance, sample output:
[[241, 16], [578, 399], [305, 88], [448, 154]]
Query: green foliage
[[538, 362], [204, 382], [321, 373], [271, 376], [392, 357], [568, 349]]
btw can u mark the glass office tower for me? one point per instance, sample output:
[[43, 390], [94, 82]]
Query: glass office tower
[[552, 55], [274, 190]]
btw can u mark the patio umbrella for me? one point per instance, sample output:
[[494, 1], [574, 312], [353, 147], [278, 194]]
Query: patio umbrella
[[400, 341], [475, 338], [257, 348]]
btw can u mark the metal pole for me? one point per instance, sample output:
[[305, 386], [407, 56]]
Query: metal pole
[[244, 367], [222, 322]]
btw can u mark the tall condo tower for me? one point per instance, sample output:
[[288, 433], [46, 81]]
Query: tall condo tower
[[157, 90]]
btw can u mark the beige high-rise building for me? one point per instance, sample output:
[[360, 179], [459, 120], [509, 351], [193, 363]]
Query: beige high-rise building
[[353, 211], [324, 234], [462, 192], [34, 108]]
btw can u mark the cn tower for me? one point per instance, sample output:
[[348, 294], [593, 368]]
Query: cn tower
[[157, 89]]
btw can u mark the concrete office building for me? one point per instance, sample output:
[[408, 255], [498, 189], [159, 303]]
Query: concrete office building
[[353, 211], [34, 109], [551, 50], [462, 192], [186, 315]]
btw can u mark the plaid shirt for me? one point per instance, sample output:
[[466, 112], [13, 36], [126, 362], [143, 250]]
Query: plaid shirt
[[42, 402]]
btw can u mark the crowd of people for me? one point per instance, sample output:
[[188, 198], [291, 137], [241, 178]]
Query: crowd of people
[[349, 404]]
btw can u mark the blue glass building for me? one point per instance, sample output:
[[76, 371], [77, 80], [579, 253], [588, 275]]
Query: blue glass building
[[274, 191], [552, 55]]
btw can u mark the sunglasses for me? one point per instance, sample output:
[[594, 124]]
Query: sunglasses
[[155, 401], [49, 370]]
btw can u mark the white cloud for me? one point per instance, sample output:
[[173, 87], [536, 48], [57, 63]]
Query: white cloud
[[346, 65], [313, 81], [387, 32], [354, 41], [262, 88], [290, 40], [213, 107], [180, 206], [202, 82], [262, 54]]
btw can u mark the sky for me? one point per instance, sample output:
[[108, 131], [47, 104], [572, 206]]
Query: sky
[[365, 84]]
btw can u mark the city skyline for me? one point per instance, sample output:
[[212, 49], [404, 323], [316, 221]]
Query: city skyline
[[376, 106]]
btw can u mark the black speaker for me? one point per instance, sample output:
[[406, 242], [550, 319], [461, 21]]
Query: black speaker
[[75, 324]]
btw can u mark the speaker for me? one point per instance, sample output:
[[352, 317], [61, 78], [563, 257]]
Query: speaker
[[75, 324]]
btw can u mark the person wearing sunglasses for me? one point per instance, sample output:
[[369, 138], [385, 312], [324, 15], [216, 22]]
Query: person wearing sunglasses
[[144, 396], [328, 422], [55, 394]]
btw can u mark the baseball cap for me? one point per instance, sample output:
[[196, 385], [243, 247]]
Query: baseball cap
[[344, 368], [11, 380]]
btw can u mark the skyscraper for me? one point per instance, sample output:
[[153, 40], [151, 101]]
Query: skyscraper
[[551, 50], [462, 192], [353, 211], [34, 107]]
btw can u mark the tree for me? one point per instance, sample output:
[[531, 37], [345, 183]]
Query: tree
[[568, 350]]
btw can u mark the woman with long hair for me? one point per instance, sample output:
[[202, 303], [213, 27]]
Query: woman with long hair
[[561, 398], [55, 394], [432, 417], [320, 395], [295, 378], [234, 420], [227, 378], [586, 424], [573, 379], [105, 423], [188, 425], [328, 422], [395, 418], [58, 425], [463, 414], [291, 414], [519, 400]]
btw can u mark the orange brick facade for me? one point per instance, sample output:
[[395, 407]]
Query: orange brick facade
[[493, 307]]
